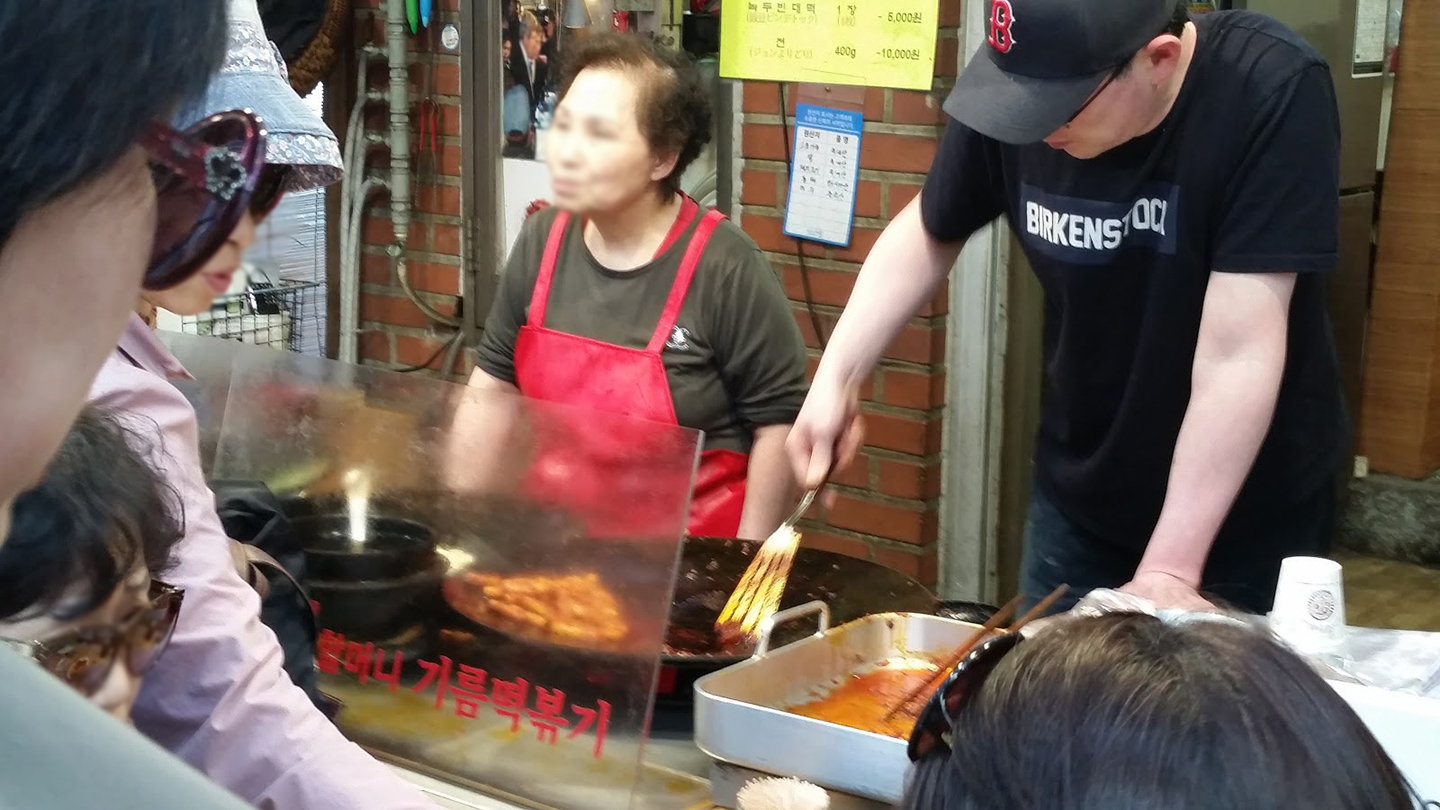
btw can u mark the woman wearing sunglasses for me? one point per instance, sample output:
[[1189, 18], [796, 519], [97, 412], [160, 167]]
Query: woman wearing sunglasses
[[221, 699], [82, 84], [80, 593], [1131, 712]]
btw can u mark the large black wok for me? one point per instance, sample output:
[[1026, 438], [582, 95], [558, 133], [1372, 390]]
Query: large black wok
[[710, 568]]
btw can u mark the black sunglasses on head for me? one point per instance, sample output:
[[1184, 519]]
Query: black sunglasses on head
[[937, 720]]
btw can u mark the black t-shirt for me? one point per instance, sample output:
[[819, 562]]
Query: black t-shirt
[[735, 360], [1242, 176]]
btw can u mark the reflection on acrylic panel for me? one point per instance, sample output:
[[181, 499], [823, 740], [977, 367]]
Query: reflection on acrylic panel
[[434, 515]]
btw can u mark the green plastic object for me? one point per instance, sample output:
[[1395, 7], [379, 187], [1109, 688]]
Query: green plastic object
[[412, 15]]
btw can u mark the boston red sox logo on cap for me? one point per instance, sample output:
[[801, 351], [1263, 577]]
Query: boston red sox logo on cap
[[1045, 58], [1001, 16]]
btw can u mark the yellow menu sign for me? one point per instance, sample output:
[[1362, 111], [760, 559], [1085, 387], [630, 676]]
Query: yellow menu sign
[[882, 43]]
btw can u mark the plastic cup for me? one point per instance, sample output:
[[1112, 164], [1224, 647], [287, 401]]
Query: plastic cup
[[1309, 610]]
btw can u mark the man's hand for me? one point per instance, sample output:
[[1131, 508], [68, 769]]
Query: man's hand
[[1166, 591], [827, 434]]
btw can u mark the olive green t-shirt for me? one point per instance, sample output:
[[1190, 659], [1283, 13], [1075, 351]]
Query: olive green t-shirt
[[735, 360]]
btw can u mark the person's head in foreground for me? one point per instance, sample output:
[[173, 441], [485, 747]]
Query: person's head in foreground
[[1128, 712], [1081, 75], [632, 117], [82, 151], [300, 151], [79, 593]]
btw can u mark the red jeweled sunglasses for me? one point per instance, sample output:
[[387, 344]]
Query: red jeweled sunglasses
[[205, 179]]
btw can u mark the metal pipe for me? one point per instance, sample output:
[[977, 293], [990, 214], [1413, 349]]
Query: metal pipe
[[349, 344], [395, 43], [397, 255]]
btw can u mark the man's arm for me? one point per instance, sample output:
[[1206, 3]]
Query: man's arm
[[1235, 379], [902, 272]]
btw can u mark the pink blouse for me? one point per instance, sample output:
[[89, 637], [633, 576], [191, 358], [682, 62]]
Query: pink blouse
[[218, 698]]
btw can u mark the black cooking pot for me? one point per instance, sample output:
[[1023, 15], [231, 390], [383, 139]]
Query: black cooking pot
[[378, 609], [392, 548]]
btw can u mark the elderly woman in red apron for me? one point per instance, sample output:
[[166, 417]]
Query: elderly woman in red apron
[[627, 298]]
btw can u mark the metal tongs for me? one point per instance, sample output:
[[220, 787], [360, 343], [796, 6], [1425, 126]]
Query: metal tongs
[[758, 594]]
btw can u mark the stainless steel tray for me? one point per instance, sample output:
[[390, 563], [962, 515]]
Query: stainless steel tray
[[739, 717]]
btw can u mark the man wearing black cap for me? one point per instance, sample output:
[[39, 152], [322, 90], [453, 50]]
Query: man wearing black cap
[[1174, 184]]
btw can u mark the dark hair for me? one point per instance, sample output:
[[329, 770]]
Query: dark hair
[[1126, 712], [674, 108], [81, 80], [100, 511]]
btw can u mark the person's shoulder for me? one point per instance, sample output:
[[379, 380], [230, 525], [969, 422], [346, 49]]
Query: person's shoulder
[[733, 253], [1253, 47]]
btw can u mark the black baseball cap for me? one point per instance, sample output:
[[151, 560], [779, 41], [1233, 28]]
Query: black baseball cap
[[1043, 58]]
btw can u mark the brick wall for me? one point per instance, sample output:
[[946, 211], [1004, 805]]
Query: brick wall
[[393, 330], [887, 507], [888, 503]]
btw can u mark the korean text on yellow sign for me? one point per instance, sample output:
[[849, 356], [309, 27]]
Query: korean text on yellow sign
[[882, 43]]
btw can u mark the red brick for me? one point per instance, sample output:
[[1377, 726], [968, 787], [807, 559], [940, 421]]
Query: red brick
[[768, 232], [436, 278], [878, 519], [900, 196], [438, 200], [827, 287], [861, 240], [896, 153], [914, 107], [867, 199], [376, 118], [906, 562], [416, 73], [950, 13], [807, 325], [929, 569], [857, 474], [947, 56], [760, 187], [375, 269], [918, 344], [907, 389], [760, 97], [939, 303], [448, 5], [449, 119], [413, 351], [838, 544], [902, 479], [396, 310], [874, 104], [447, 240], [377, 231], [763, 142], [375, 345], [898, 433], [447, 79], [449, 162]]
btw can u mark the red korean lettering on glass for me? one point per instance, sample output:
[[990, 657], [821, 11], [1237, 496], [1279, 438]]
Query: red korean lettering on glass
[[548, 716], [357, 659], [393, 676], [599, 717], [470, 692], [509, 698], [439, 674], [1002, 17], [329, 648]]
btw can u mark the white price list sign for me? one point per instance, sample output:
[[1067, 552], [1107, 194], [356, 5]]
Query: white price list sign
[[825, 171]]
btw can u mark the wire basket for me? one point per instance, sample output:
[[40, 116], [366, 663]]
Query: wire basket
[[288, 316]]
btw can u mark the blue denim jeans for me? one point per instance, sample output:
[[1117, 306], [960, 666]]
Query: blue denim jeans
[[1240, 573]]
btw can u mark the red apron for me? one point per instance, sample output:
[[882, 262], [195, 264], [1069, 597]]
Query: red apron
[[606, 474]]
